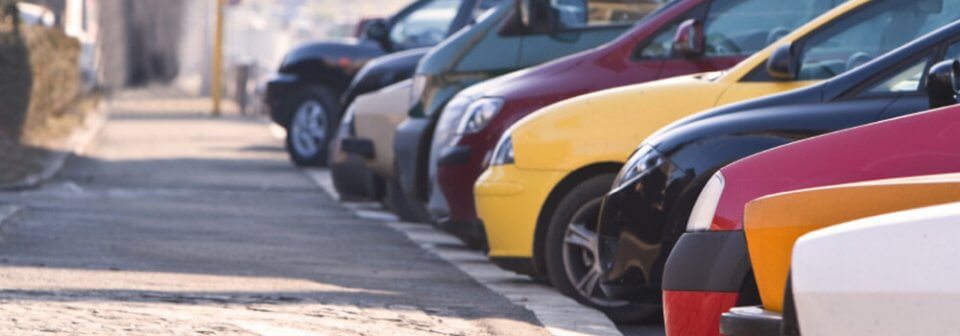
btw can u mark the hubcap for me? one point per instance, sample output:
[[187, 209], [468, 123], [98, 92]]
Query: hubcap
[[580, 258], [309, 129]]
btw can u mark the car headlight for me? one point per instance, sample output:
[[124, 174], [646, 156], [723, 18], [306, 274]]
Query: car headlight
[[643, 159], [418, 85], [701, 218], [478, 115], [503, 154]]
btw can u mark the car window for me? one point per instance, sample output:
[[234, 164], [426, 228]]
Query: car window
[[483, 6], [906, 80], [743, 27], [858, 38], [661, 46], [573, 14], [427, 25]]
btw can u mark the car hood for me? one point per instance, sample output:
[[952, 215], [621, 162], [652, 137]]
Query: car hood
[[610, 122]]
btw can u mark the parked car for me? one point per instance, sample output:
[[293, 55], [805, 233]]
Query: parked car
[[647, 209], [552, 169], [653, 49], [517, 35], [353, 180], [773, 224], [846, 270], [303, 95], [366, 138], [708, 271]]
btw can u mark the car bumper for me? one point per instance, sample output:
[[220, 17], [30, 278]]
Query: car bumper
[[509, 201], [751, 321], [411, 147], [458, 169], [703, 279], [634, 241], [278, 88]]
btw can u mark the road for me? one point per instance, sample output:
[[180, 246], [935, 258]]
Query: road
[[178, 223]]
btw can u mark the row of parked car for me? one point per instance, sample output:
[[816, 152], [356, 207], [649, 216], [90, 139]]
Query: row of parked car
[[763, 126]]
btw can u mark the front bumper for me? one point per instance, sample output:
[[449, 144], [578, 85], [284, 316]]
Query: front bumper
[[278, 88], [751, 321], [636, 235], [509, 201], [411, 147], [706, 274]]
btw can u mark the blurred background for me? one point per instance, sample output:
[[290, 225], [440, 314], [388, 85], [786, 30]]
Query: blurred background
[[57, 57]]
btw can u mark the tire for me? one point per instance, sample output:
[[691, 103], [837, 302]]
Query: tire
[[571, 253], [407, 209], [314, 114]]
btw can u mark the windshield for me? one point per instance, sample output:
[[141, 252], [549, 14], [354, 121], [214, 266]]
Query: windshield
[[427, 25], [868, 33]]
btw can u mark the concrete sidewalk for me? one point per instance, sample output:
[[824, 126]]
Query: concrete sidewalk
[[177, 223]]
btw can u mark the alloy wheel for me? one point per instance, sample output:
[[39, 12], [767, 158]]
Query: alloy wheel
[[580, 258], [309, 128]]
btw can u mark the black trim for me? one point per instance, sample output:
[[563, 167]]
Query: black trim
[[471, 232], [708, 261], [358, 146], [750, 321], [454, 156]]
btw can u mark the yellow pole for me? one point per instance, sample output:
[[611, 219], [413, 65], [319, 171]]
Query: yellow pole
[[216, 86]]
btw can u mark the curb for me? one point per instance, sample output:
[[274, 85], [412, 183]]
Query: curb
[[78, 143], [560, 315]]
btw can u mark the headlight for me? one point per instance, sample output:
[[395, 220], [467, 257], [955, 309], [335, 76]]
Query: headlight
[[701, 218], [417, 87], [503, 155], [644, 158], [478, 115]]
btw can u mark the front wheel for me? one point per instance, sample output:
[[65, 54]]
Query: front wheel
[[573, 264], [313, 115]]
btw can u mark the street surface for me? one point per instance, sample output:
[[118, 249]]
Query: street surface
[[175, 223]]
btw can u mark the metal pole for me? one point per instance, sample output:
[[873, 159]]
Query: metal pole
[[216, 88]]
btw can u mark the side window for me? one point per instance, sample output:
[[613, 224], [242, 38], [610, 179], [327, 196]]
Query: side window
[[903, 81], [572, 14], [743, 27], [871, 32], [483, 6], [661, 46], [427, 25]]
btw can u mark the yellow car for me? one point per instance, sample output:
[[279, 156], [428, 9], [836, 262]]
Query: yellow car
[[540, 197], [773, 224]]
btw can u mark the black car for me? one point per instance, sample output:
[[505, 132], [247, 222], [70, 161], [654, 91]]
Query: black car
[[303, 96], [648, 208]]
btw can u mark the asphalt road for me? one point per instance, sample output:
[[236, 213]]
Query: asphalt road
[[178, 223]]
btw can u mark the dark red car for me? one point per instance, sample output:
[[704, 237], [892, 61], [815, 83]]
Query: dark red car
[[662, 45], [709, 270]]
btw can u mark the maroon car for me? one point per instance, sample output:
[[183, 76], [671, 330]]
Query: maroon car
[[662, 45]]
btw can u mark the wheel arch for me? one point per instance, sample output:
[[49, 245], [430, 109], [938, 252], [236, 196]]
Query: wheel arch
[[553, 200]]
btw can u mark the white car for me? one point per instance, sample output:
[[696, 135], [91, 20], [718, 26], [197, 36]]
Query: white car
[[894, 274]]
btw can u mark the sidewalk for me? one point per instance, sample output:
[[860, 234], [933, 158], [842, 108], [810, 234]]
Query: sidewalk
[[178, 223]]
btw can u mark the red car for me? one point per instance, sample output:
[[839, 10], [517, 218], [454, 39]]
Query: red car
[[465, 138], [709, 272]]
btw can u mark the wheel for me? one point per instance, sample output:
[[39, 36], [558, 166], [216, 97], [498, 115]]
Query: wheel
[[573, 265], [408, 210], [313, 115]]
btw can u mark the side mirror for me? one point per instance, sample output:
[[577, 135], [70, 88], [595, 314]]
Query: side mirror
[[535, 15], [942, 83], [378, 30], [781, 64], [688, 42]]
